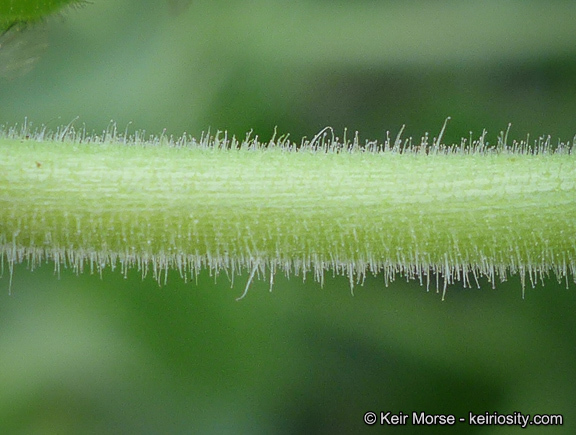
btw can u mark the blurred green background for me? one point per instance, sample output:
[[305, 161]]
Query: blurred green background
[[113, 355]]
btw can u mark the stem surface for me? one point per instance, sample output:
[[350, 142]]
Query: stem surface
[[459, 212]]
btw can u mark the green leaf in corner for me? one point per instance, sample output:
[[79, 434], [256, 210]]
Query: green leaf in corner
[[22, 37], [27, 11]]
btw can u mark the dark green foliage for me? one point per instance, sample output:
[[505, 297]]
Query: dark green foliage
[[13, 11]]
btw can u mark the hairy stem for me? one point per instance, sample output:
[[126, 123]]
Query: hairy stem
[[462, 212]]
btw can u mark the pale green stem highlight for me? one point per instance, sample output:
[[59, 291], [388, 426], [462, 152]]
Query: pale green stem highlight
[[462, 213]]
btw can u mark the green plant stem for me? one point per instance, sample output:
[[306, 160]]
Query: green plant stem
[[462, 212]]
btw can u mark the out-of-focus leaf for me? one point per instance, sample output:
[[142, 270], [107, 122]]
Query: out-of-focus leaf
[[21, 46], [28, 11]]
